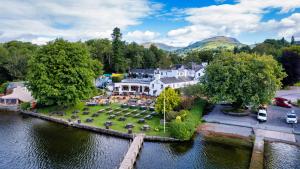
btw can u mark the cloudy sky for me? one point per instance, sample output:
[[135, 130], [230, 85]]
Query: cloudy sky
[[174, 22]]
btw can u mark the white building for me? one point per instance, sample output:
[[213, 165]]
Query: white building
[[153, 81]]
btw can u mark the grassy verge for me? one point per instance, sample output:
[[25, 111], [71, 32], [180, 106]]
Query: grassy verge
[[154, 123], [193, 117]]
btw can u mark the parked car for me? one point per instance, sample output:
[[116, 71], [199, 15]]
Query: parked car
[[282, 102], [262, 115], [291, 118]]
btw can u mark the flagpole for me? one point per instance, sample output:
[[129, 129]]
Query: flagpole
[[164, 111]]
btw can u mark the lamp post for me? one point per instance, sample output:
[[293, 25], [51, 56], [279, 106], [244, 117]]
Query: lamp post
[[164, 111]]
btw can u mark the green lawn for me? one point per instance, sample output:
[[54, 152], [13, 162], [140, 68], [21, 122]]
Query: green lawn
[[156, 128], [154, 123]]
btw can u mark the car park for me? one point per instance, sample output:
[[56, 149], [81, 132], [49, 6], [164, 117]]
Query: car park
[[291, 118], [262, 115], [282, 102]]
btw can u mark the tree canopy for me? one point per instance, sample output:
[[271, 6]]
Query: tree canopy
[[61, 73], [290, 60], [172, 100], [243, 79]]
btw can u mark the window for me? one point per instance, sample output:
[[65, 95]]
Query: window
[[161, 73], [152, 86], [162, 86]]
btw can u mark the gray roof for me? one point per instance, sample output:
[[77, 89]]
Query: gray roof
[[169, 80], [297, 42], [142, 71]]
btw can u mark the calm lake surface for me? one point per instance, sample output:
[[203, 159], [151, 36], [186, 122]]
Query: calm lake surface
[[30, 143], [282, 156]]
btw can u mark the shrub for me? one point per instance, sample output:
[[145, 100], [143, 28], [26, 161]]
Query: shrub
[[171, 115], [3, 87], [297, 84], [298, 102], [117, 79], [186, 103], [25, 106], [181, 130], [183, 114]]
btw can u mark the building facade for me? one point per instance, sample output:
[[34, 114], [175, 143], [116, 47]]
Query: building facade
[[153, 81]]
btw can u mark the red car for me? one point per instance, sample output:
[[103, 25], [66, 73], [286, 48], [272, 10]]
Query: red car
[[282, 102]]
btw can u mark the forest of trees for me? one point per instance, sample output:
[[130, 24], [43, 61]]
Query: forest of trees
[[118, 56]]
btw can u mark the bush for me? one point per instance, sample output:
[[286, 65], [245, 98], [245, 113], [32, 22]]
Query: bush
[[297, 84], [117, 79], [25, 106], [171, 115], [183, 114], [3, 87], [186, 103], [181, 130]]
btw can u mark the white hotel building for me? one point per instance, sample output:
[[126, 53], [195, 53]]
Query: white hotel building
[[153, 81]]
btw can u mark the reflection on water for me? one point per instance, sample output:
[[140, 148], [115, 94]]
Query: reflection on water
[[29, 143], [199, 154], [33, 143], [282, 156]]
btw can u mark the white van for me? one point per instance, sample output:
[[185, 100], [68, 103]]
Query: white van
[[262, 115]]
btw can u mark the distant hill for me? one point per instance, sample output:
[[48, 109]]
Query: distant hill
[[161, 46], [218, 42]]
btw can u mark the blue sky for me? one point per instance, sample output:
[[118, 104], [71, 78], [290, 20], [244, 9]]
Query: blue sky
[[174, 22]]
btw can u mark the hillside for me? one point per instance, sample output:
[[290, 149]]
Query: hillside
[[218, 42], [161, 46]]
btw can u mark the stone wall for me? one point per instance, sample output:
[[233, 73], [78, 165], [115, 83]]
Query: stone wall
[[98, 129]]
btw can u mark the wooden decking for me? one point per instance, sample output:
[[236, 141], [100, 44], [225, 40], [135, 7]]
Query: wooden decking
[[132, 153]]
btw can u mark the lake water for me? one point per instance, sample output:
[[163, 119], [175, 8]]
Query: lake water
[[30, 143], [282, 156]]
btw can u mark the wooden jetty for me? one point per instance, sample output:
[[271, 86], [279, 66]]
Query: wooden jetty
[[132, 153]]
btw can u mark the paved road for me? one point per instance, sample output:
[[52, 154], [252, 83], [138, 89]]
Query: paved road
[[293, 94], [276, 119]]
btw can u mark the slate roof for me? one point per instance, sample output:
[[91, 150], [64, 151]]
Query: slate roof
[[170, 80]]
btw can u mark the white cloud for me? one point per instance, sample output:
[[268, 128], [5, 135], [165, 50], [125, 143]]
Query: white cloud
[[286, 27], [232, 20], [38, 21], [140, 36]]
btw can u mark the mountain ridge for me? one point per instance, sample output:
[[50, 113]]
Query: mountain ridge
[[216, 42]]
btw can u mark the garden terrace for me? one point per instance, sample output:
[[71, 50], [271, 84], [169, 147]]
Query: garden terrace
[[119, 117]]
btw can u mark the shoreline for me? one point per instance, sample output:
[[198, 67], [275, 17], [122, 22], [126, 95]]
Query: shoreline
[[98, 129]]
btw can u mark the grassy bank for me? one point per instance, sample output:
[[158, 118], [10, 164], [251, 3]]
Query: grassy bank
[[156, 127]]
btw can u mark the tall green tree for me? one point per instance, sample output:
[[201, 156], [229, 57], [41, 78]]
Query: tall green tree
[[290, 60], [120, 64], [170, 97], [101, 50], [292, 40], [243, 79], [61, 73]]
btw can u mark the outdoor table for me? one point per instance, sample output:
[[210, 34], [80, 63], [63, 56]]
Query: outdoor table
[[151, 108], [141, 120], [145, 127], [108, 123], [86, 108], [144, 111], [86, 113], [95, 115], [117, 113], [153, 113], [127, 114], [112, 116], [75, 112], [74, 117], [129, 125], [148, 117], [89, 120], [137, 115], [124, 105], [122, 119]]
